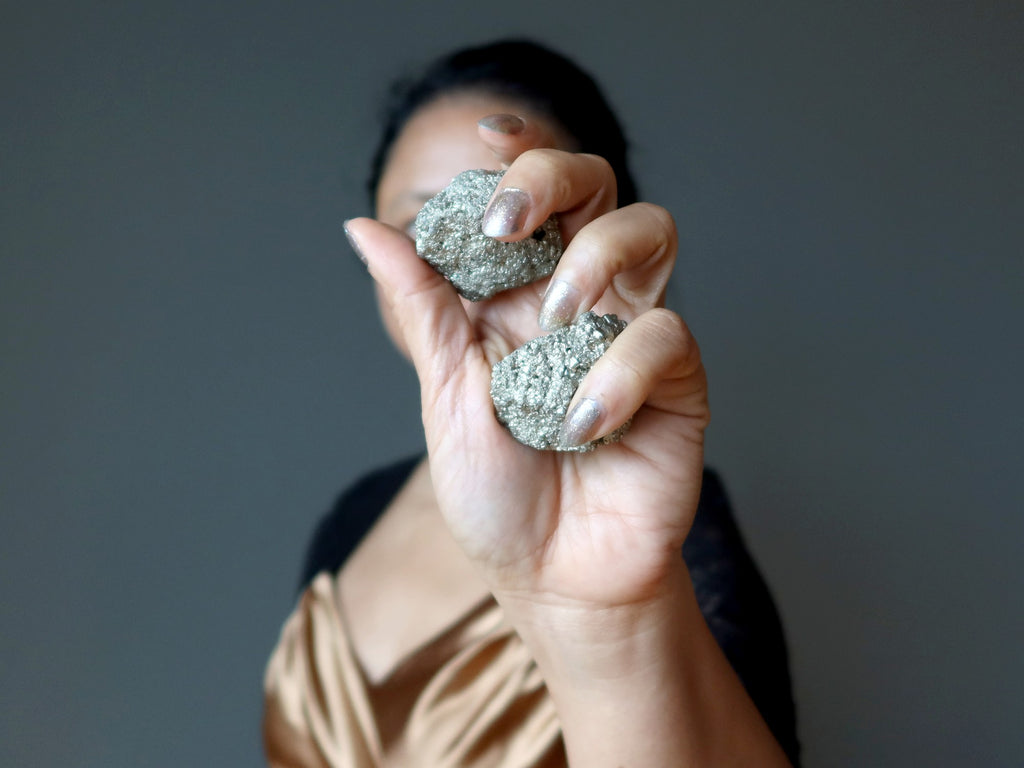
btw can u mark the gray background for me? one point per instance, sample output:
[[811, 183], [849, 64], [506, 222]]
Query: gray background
[[191, 366]]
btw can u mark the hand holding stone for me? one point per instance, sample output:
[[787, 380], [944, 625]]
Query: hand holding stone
[[553, 523]]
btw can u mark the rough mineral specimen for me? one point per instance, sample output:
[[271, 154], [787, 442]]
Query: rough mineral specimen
[[532, 387], [449, 237]]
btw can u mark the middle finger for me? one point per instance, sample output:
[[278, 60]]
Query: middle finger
[[579, 187]]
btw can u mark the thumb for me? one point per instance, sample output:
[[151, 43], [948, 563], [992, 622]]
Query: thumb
[[427, 310]]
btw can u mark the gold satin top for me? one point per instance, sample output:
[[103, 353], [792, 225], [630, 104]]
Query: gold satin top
[[469, 696]]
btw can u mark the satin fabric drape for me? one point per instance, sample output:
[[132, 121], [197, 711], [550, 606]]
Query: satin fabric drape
[[470, 696]]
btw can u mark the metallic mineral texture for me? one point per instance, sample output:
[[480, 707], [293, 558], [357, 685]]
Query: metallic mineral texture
[[532, 387], [449, 237]]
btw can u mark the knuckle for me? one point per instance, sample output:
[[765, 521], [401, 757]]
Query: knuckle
[[593, 244], [668, 329], [626, 364], [662, 226], [676, 336], [608, 189], [547, 164], [601, 167]]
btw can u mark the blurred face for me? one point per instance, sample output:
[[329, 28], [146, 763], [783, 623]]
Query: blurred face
[[438, 142]]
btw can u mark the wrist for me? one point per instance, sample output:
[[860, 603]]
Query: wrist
[[643, 683], [583, 643]]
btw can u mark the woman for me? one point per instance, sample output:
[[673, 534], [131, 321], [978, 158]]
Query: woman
[[490, 604]]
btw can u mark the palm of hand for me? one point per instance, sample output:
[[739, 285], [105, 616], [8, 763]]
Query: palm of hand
[[599, 528]]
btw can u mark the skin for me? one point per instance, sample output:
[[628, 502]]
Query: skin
[[580, 550]]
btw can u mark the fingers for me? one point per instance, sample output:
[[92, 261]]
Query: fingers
[[632, 250], [508, 136], [544, 181], [654, 362]]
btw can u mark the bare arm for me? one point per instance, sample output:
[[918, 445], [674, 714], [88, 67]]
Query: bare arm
[[582, 550]]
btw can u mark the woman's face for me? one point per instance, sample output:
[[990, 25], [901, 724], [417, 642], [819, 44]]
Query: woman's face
[[438, 142]]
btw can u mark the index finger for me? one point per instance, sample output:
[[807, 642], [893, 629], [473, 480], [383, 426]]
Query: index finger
[[508, 136]]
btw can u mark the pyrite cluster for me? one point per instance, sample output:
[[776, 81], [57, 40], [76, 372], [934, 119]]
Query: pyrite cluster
[[449, 237], [531, 388]]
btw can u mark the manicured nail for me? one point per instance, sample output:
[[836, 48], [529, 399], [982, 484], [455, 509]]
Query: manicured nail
[[354, 243], [580, 423], [558, 309], [510, 125], [507, 213]]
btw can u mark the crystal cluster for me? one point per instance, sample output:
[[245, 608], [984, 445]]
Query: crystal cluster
[[449, 237], [532, 387]]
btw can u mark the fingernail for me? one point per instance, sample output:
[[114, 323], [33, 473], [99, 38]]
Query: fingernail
[[506, 213], [354, 243], [510, 125], [579, 424], [558, 308]]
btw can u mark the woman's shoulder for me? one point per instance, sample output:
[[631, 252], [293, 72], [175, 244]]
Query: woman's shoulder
[[351, 517], [733, 596]]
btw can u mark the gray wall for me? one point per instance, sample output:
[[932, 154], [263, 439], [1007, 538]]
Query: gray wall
[[191, 366]]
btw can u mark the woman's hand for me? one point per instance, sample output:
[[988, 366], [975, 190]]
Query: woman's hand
[[601, 529], [581, 550]]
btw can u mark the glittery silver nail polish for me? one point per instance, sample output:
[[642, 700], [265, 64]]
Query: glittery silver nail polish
[[509, 125], [580, 423], [355, 245], [532, 387], [449, 237], [507, 213], [559, 307]]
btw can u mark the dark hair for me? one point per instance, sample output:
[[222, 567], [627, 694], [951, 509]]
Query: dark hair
[[528, 72]]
